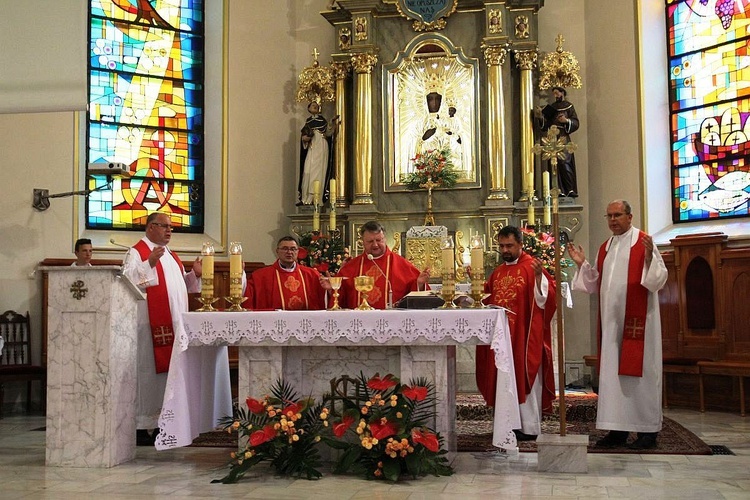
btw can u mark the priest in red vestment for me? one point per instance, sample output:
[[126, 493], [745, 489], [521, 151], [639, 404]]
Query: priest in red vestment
[[522, 286], [159, 272], [394, 276], [285, 284]]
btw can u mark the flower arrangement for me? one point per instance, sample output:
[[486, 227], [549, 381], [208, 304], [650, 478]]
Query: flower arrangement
[[281, 429], [383, 431], [542, 246], [434, 165], [324, 253]]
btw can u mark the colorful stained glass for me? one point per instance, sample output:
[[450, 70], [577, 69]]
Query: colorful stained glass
[[709, 70], [146, 110]]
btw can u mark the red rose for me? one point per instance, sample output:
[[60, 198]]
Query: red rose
[[417, 393], [257, 438], [381, 384], [341, 428], [426, 439], [255, 406], [382, 431]]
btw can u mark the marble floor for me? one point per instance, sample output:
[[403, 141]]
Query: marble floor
[[187, 473]]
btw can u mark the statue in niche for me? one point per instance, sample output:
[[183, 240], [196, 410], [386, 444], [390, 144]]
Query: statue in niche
[[561, 113], [316, 154]]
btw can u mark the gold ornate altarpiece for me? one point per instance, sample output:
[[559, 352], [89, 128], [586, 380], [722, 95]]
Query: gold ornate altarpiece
[[481, 57]]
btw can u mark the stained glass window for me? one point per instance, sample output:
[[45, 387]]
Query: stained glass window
[[709, 69], [146, 98]]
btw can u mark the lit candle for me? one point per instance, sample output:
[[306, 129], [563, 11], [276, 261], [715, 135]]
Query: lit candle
[[477, 253], [316, 220], [235, 269], [207, 274], [316, 192]]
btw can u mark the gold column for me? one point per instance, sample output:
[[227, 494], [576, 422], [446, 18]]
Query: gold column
[[494, 56], [340, 71], [526, 60], [363, 64]]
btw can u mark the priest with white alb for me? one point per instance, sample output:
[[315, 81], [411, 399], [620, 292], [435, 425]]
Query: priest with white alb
[[628, 274]]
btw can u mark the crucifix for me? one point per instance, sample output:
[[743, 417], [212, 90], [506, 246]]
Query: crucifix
[[553, 148]]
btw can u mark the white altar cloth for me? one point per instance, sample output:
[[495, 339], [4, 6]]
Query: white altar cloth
[[256, 330]]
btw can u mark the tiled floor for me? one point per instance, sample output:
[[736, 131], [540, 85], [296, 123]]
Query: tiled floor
[[187, 473]]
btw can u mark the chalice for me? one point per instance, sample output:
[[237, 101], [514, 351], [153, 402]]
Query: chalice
[[364, 284], [335, 282]]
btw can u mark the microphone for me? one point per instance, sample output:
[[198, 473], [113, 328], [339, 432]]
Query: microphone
[[112, 240], [388, 287]]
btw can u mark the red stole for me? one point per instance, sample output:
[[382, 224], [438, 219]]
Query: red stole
[[159, 313], [636, 306]]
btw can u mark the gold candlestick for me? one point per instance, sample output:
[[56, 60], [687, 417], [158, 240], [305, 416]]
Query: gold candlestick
[[477, 288], [448, 291], [207, 278], [235, 277]]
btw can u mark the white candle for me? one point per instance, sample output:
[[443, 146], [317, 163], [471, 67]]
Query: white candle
[[530, 215], [448, 260], [545, 184], [477, 259], [332, 191], [332, 220], [547, 215], [316, 192], [235, 269]]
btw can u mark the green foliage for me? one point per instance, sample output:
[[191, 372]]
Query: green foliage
[[542, 246], [324, 253]]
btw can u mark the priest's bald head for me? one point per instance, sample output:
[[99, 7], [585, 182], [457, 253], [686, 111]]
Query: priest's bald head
[[619, 216]]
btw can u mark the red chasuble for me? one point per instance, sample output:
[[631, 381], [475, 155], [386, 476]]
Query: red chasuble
[[159, 313], [401, 274], [512, 287], [636, 307], [273, 288]]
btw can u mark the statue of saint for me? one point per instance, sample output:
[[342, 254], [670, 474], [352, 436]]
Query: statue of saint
[[316, 154], [561, 113]]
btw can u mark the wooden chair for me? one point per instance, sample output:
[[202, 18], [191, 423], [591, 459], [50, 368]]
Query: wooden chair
[[15, 357]]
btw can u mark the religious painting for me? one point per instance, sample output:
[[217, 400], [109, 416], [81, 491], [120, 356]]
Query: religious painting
[[430, 103]]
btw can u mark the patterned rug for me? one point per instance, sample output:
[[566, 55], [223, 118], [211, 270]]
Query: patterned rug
[[474, 428]]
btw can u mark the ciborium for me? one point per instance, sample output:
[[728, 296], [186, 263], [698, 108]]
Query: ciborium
[[364, 285], [335, 282]]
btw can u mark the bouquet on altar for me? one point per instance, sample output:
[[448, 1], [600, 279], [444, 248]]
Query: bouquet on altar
[[434, 165], [322, 252], [280, 428], [383, 430], [541, 245]]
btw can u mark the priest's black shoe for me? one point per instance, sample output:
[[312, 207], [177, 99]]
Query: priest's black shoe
[[522, 436], [145, 438], [613, 439], [644, 441]]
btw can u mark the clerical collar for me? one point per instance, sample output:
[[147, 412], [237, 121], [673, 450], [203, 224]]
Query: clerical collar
[[626, 235], [378, 257], [288, 269]]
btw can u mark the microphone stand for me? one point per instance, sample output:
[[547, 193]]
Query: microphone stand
[[388, 287]]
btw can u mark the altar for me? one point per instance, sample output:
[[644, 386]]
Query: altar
[[309, 348]]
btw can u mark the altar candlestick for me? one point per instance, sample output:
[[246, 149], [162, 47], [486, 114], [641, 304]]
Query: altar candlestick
[[316, 221], [332, 220], [530, 214], [332, 192], [545, 184]]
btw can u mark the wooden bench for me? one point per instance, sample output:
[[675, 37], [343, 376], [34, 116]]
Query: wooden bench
[[737, 369]]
